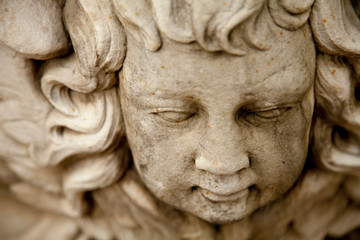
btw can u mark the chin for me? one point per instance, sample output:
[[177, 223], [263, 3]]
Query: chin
[[223, 213]]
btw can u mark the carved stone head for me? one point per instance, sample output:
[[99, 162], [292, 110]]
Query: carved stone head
[[215, 134]]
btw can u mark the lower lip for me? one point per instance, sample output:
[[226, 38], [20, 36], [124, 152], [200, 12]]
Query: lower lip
[[224, 198]]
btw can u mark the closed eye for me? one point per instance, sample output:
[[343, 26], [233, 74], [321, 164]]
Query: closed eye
[[264, 115], [174, 117], [272, 113]]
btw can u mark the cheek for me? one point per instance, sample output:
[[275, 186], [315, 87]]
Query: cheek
[[163, 159], [174, 156], [278, 153], [168, 168]]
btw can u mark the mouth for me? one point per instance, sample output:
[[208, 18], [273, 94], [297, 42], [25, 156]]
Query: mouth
[[229, 197]]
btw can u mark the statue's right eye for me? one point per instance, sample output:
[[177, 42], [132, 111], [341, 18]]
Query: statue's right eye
[[174, 116]]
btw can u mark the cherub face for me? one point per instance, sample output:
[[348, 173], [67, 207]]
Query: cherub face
[[219, 135]]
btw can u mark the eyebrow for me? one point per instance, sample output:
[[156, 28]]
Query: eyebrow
[[286, 70], [150, 100], [146, 98]]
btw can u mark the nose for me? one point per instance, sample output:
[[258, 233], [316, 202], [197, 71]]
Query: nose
[[221, 166], [222, 154]]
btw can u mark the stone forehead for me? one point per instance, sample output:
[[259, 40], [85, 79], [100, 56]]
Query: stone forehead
[[185, 61]]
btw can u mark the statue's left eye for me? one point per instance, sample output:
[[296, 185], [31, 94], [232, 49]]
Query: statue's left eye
[[263, 115], [272, 113], [174, 117]]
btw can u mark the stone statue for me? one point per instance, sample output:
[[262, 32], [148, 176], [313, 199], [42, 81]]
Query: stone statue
[[150, 119]]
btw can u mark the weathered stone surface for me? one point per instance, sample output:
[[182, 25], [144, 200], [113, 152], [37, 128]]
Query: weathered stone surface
[[33, 28], [234, 119]]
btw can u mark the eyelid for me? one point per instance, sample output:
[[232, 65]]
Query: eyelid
[[271, 113], [266, 115], [173, 116]]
